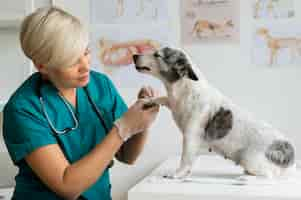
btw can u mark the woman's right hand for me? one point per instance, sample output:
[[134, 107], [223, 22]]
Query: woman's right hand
[[136, 119]]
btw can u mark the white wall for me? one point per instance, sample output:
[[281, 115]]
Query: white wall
[[270, 93]]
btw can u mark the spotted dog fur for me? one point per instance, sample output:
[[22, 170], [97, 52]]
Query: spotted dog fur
[[219, 126]]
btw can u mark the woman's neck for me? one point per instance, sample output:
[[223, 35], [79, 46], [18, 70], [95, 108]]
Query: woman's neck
[[69, 94]]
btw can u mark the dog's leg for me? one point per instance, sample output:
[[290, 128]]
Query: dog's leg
[[190, 152], [195, 29], [149, 102], [120, 8], [192, 143], [273, 56], [293, 53], [257, 8], [141, 7]]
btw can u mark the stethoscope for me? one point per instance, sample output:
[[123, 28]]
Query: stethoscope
[[75, 121]]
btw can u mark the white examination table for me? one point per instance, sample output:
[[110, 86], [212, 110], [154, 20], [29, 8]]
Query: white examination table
[[213, 178]]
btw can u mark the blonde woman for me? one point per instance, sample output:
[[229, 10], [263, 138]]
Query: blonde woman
[[65, 124]]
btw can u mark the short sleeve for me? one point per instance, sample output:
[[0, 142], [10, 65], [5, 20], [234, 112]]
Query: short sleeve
[[119, 106], [23, 132]]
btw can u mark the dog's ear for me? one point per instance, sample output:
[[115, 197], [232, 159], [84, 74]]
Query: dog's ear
[[185, 71], [184, 68], [191, 74]]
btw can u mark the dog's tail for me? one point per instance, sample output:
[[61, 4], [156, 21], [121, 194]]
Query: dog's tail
[[281, 153]]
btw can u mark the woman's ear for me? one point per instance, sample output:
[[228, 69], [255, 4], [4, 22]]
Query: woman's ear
[[41, 68]]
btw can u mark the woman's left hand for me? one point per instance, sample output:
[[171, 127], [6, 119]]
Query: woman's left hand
[[147, 92]]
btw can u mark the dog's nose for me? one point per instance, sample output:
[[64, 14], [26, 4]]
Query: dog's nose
[[135, 57]]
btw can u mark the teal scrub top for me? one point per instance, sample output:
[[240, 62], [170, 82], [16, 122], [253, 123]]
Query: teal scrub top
[[25, 129]]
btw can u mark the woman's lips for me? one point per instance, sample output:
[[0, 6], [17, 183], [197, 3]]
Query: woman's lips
[[84, 77]]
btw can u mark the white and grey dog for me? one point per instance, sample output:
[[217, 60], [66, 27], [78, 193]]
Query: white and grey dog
[[209, 119]]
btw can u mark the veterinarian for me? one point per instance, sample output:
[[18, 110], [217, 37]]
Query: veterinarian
[[65, 124]]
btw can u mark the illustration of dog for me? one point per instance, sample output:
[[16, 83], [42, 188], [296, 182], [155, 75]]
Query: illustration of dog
[[275, 44], [208, 119], [205, 28], [141, 8], [115, 53], [269, 8], [200, 2], [264, 5]]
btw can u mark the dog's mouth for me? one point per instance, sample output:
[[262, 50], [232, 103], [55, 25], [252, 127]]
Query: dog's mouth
[[142, 68]]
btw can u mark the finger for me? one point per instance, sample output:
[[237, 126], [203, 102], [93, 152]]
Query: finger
[[143, 92], [147, 91], [153, 109], [156, 93], [151, 91], [140, 102]]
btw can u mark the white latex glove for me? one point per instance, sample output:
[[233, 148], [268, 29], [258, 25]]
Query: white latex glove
[[138, 118], [147, 92]]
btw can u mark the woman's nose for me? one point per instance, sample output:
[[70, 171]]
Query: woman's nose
[[84, 63]]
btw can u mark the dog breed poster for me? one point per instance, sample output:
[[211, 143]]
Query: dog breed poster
[[113, 50], [127, 11], [210, 20], [122, 28]]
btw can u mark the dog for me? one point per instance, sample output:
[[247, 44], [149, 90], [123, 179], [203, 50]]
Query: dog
[[208, 119], [275, 44], [205, 28]]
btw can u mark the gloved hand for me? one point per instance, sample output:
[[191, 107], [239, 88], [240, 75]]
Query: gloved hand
[[147, 92], [137, 119]]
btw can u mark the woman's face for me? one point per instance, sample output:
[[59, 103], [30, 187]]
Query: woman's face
[[74, 76]]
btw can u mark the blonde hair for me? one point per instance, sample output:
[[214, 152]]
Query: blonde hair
[[52, 37]]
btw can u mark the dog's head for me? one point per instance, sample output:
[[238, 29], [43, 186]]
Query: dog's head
[[167, 64]]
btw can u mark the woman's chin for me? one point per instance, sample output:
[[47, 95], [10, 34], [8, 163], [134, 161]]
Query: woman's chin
[[83, 81]]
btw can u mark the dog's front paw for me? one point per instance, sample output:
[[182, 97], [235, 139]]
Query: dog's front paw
[[180, 173], [150, 102]]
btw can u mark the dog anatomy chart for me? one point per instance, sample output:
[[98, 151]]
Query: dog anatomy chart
[[207, 20], [273, 9], [122, 28], [113, 50], [276, 45], [127, 11]]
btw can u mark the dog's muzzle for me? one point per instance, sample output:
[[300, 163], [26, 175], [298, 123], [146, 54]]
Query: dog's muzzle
[[139, 68], [135, 58]]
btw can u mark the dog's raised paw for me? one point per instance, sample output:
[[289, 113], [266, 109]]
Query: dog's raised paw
[[149, 105], [179, 174]]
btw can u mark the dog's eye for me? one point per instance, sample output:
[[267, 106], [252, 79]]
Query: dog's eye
[[157, 55]]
